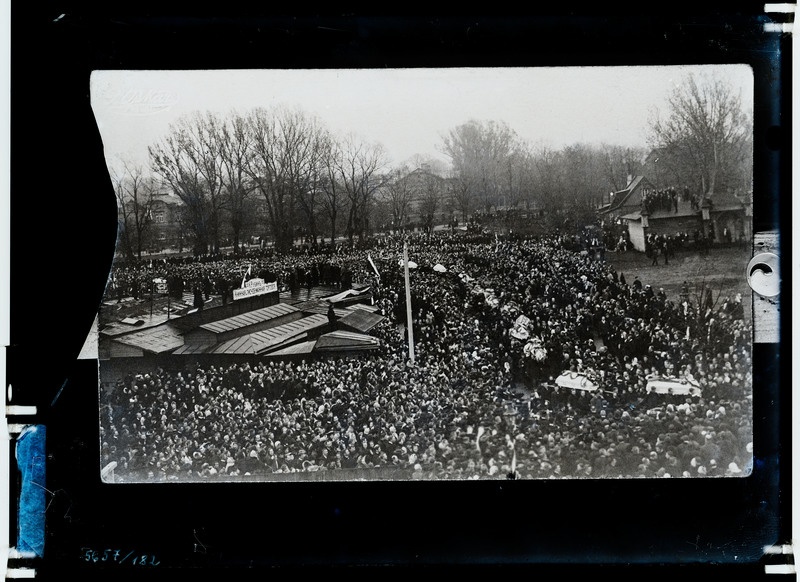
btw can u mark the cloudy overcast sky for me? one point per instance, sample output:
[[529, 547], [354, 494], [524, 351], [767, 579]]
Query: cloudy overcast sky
[[406, 110]]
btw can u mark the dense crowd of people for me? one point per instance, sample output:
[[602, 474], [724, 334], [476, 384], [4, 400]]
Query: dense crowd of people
[[493, 330], [219, 274], [666, 199]]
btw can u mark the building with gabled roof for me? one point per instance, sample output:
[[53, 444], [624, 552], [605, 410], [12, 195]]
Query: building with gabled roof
[[625, 201], [283, 330], [259, 342], [221, 330], [718, 216]]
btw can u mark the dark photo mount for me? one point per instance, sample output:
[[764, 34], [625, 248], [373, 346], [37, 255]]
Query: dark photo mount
[[63, 234]]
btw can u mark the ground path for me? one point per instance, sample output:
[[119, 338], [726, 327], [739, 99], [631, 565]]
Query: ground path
[[722, 268]]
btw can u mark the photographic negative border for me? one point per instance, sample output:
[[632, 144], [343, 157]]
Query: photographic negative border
[[63, 235]]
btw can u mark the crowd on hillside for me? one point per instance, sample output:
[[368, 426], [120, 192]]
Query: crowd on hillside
[[480, 400]]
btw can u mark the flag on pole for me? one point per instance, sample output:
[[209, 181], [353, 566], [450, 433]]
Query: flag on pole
[[374, 268], [247, 274]]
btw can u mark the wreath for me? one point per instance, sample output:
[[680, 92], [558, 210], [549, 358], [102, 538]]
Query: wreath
[[535, 350]]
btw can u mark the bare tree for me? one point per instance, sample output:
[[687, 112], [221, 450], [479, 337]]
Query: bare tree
[[515, 178], [479, 153], [546, 169], [461, 191], [134, 192], [568, 186], [584, 170], [188, 160], [358, 170], [525, 181], [333, 196], [285, 148], [208, 129], [431, 197], [399, 194], [234, 149], [706, 136], [313, 176], [621, 163]]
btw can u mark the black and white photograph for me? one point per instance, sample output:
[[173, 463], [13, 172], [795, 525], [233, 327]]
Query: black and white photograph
[[427, 274], [359, 293]]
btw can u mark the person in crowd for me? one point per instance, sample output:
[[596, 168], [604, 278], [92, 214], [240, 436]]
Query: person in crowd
[[477, 402]]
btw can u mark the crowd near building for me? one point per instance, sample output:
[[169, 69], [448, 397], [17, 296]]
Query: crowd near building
[[638, 213], [474, 392]]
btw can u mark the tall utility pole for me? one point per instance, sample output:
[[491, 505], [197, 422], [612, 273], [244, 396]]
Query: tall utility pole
[[408, 305], [152, 282]]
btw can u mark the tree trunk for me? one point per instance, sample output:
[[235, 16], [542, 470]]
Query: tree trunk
[[312, 228], [350, 227], [333, 228], [235, 241]]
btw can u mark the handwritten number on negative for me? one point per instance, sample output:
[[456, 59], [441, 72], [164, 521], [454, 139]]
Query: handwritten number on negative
[[93, 556]]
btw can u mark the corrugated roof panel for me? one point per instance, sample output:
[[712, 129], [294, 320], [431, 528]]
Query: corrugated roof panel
[[239, 345], [314, 303], [348, 335], [189, 349], [157, 339], [340, 340], [361, 320], [257, 342], [305, 324], [249, 318], [277, 335], [301, 348]]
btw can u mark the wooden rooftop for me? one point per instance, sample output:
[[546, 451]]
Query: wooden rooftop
[[250, 318]]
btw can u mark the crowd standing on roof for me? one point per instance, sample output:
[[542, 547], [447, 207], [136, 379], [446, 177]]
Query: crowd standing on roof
[[480, 400]]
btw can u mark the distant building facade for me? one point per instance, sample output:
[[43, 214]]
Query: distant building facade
[[427, 199], [166, 229]]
